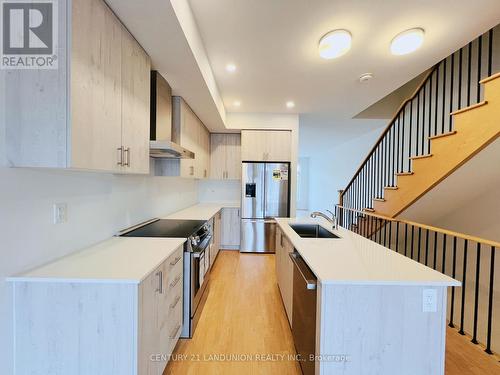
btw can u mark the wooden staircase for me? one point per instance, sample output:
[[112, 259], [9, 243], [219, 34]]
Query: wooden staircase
[[475, 128]]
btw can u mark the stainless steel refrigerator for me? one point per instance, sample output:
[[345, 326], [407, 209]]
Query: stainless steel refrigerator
[[264, 195]]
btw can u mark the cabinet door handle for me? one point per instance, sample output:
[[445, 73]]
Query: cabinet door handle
[[175, 282], [173, 304], [175, 332], [191, 171], [126, 151], [120, 155], [160, 282], [281, 240], [175, 261]]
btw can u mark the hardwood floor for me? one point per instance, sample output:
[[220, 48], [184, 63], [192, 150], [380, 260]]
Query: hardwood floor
[[244, 316]]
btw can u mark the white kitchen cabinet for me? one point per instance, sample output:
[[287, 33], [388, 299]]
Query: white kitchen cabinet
[[189, 132], [266, 145], [230, 228], [284, 271], [225, 156], [113, 322], [92, 113]]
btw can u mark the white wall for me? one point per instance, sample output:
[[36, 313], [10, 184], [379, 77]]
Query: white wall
[[335, 150], [98, 206], [222, 191]]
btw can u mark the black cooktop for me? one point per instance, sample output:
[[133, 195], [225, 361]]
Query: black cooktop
[[167, 228]]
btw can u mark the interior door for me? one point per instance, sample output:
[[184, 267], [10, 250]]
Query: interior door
[[276, 190], [252, 192]]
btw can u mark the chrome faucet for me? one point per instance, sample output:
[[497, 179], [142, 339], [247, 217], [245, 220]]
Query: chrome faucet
[[332, 220]]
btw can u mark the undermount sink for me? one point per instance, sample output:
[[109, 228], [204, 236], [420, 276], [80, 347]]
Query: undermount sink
[[312, 231]]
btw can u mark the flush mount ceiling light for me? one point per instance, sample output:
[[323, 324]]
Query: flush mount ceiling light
[[335, 44], [237, 103], [290, 104], [407, 42], [230, 68]]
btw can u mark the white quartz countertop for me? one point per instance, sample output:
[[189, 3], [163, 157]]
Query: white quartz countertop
[[201, 211], [119, 259], [353, 259]]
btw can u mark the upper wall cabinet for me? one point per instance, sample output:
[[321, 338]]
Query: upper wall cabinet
[[225, 156], [91, 113], [189, 132], [266, 145]]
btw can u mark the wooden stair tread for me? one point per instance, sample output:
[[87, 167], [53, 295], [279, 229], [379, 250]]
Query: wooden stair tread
[[443, 135], [379, 199], [369, 209], [490, 78], [420, 157], [404, 173], [480, 104], [391, 187]]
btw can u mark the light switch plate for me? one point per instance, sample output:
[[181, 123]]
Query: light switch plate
[[429, 300], [60, 213]]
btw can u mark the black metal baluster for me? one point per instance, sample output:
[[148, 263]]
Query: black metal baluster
[[417, 132], [443, 266], [476, 293], [426, 246], [453, 273], [423, 118], [469, 72], [390, 234], [435, 249], [397, 236], [430, 115], [479, 58], [444, 96], [406, 239], [490, 51], [403, 140], [409, 138], [452, 75], [490, 295], [464, 284], [412, 240], [436, 100], [419, 239], [460, 63]]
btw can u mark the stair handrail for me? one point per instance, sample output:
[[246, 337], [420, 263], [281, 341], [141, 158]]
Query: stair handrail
[[425, 226], [390, 125]]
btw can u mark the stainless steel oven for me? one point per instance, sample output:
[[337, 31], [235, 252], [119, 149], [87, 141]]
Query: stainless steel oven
[[196, 281]]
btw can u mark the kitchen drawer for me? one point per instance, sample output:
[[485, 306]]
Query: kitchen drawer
[[175, 260], [174, 325], [174, 280]]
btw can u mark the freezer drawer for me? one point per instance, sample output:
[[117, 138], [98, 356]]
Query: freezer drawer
[[258, 236]]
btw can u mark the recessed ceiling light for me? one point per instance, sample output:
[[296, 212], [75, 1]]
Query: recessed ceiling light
[[407, 42], [290, 104], [237, 103], [231, 68], [335, 44]]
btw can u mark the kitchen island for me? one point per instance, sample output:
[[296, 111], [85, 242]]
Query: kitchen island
[[377, 312]]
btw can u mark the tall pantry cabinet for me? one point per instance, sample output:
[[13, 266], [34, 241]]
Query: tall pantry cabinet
[[92, 112]]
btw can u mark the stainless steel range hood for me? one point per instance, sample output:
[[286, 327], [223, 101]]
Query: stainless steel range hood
[[168, 149], [161, 145]]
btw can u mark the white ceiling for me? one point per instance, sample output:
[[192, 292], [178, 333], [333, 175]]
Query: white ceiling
[[274, 45]]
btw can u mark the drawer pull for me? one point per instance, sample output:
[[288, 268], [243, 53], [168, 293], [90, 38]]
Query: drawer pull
[[175, 282], [175, 261], [173, 304], [160, 282], [175, 332]]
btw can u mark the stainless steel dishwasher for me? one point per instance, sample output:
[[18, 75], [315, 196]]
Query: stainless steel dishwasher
[[304, 313]]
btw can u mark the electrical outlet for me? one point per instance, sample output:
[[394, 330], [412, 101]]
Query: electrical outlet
[[60, 213], [429, 300]]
